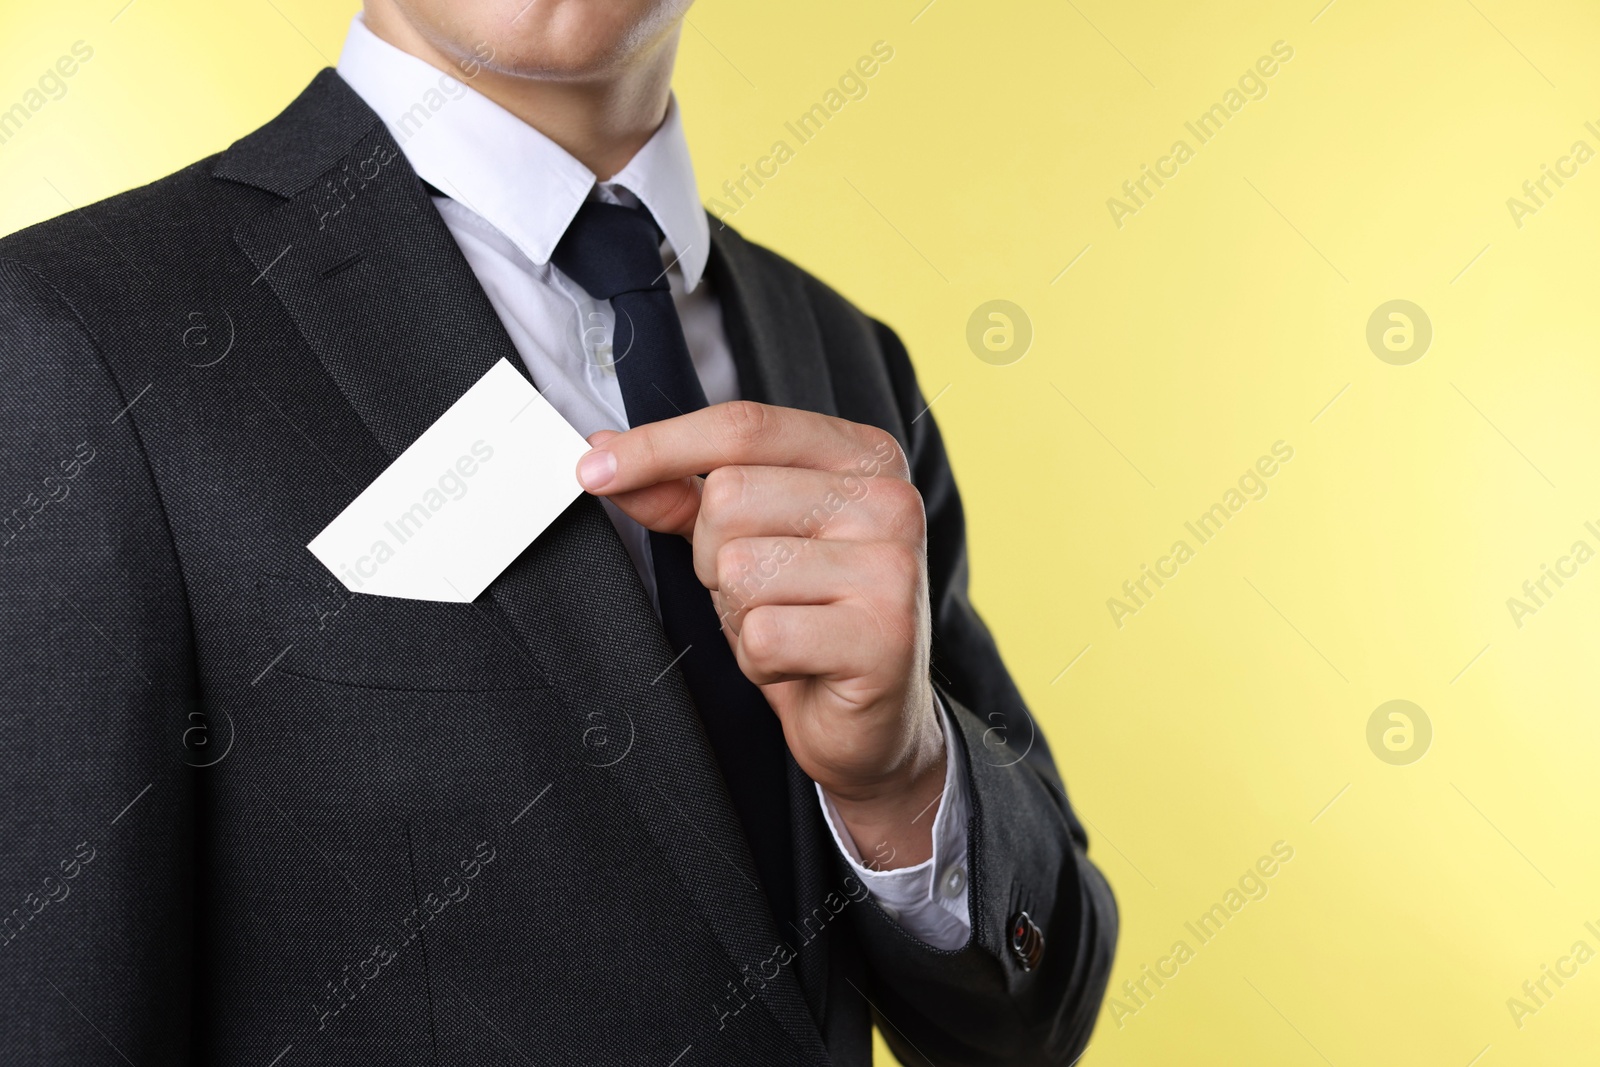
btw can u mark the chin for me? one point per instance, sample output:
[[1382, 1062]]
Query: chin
[[569, 40]]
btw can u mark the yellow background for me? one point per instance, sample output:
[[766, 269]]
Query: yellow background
[[1224, 316]]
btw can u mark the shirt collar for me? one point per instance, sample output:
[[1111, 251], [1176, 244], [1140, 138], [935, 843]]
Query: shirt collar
[[514, 177]]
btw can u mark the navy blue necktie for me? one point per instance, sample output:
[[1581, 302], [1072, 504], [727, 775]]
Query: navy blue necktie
[[614, 252]]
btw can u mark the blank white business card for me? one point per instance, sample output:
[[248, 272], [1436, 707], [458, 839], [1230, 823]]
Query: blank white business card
[[459, 505]]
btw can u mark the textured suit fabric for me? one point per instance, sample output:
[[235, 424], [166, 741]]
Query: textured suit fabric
[[249, 815], [614, 252]]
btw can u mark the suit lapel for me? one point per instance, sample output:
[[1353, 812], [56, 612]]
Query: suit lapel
[[376, 285], [776, 344], [777, 348]]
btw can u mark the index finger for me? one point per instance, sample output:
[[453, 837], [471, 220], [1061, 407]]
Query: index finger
[[740, 433]]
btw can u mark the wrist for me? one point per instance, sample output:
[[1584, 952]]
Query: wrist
[[891, 820]]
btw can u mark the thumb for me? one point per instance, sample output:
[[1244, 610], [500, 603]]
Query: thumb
[[666, 507]]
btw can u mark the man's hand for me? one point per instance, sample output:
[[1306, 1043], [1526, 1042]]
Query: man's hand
[[811, 538]]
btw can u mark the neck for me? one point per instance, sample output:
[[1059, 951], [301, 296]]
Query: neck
[[602, 121]]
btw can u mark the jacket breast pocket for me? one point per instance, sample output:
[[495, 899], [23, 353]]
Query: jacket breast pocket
[[352, 639]]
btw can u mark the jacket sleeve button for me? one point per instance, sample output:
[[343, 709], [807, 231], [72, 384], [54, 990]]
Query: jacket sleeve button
[[1027, 943]]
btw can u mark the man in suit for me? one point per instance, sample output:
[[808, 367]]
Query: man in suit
[[722, 769]]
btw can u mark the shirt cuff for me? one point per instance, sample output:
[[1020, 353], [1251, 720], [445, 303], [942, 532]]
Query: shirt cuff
[[929, 900]]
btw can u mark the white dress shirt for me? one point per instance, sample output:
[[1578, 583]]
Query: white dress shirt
[[511, 192]]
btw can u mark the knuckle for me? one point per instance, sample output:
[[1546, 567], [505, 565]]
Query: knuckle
[[761, 635], [721, 494], [897, 581], [883, 450], [644, 451], [898, 561], [735, 560], [900, 496], [903, 510], [746, 421]]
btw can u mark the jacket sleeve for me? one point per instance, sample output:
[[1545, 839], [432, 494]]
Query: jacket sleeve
[[1026, 849], [95, 829]]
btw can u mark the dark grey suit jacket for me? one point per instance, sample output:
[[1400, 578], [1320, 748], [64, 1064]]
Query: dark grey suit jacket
[[252, 819]]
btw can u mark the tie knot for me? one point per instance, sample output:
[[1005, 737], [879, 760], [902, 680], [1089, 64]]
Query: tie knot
[[610, 250]]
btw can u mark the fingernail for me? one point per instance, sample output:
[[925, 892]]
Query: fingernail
[[596, 469]]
